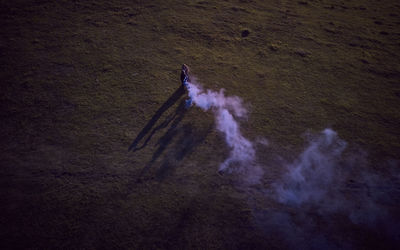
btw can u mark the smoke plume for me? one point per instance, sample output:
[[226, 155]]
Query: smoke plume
[[328, 198], [226, 110], [311, 178]]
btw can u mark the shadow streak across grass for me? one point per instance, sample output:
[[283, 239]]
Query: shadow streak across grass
[[171, 101], [186, 138], [187, 142], [165, 140]]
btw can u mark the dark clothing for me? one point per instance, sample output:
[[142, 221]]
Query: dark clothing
[[183, 74]]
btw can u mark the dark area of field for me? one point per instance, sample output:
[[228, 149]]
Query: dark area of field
[[82, 82]]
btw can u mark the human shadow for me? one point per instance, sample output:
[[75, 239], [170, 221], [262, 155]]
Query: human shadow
[[184, 139], [170, 102], [172, 131], [190, 137]]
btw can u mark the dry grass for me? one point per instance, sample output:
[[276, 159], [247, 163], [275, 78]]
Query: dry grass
[[80, 80]]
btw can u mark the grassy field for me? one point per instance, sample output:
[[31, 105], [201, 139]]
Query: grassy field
[[83, 81]]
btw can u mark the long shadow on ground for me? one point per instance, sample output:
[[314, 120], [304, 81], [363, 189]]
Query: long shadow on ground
[[185, 139], [186, 136], [170, 102], [190, 137]]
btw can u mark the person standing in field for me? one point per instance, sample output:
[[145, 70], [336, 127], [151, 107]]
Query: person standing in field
[[185, 74], [185, 80]]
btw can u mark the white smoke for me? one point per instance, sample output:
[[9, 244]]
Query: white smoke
[[226, 109], [312, 176], [324, 182], [322, 177], [318, 186]]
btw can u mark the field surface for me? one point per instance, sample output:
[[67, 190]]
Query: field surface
[[99, 152]]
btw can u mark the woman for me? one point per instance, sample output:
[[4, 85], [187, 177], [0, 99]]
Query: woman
[[185, 80], [185, 75]]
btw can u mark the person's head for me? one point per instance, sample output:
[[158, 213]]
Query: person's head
[[185, 68]]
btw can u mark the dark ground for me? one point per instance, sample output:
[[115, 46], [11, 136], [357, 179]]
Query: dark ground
[[84, 81]]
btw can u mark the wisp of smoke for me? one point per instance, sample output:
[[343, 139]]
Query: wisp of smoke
[[226, 109], [311, 177], [315, 182], [320, 185]]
